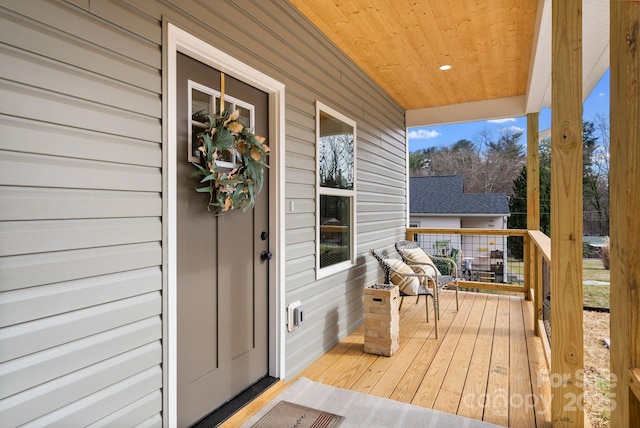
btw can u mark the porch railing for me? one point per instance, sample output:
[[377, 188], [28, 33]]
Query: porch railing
[[540, 277], [503, 260]]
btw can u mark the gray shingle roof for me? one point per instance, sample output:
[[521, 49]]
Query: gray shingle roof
[[445, 195]]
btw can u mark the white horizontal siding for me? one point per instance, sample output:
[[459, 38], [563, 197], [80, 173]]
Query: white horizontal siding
[[154, 421], [143, 412], [49, 396], [75, 173], [81, 26], [23, 33], [23, 137], [29, 371], [34, 336], [22, 237], [32, 303], [41, 73], [104, 402], [49, 268], [37, 104], [37, 203], [80, 217]]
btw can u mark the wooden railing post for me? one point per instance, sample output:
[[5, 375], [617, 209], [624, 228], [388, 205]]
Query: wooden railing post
[[567, 348], [527, 256], [624, 153], [534, 260]]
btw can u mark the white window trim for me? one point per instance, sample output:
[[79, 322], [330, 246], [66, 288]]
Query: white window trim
[[338, 267]]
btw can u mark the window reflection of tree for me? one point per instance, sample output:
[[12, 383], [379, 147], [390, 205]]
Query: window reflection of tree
[[336, 161]]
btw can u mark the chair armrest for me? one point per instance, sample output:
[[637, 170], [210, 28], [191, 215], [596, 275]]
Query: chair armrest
[[430, 264]]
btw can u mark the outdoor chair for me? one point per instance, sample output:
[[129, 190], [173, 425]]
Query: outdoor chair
[[414, 256], [410, 283]]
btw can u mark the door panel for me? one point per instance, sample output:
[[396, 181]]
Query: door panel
[[222, 283]]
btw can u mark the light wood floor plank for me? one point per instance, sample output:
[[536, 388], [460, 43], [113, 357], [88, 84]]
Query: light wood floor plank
[[428, 391], [254, 406], [497, 398], [521, 411], [405, 389], [414, 332], [486, 352], [322, 365], [341, 364], [450, 394], [475, 387], [400, 361], [538, 371]]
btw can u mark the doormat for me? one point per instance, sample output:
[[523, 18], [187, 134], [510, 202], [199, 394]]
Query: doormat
[[286, 414]]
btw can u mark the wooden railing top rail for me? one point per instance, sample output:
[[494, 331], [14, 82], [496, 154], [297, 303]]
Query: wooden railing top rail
[[543, 242], [467, 231]]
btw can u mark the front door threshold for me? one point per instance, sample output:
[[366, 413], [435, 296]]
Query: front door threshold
[[227, 410]]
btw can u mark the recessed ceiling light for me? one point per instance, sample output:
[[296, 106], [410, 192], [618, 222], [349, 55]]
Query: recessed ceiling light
[[445, 67]]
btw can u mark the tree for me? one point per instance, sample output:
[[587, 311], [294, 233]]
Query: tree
[[595, 172], [596, 186], [518, 201], [336, 161], [488, 165], [419, 162]]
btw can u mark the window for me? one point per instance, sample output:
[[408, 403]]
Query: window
[[336, 191], [203, 101]]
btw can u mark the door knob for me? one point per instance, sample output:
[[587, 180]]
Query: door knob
[[265, 255]]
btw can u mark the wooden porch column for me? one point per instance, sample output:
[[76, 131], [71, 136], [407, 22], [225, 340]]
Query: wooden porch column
[[567, 351], [625, 208], [533, 172], [533, 213]]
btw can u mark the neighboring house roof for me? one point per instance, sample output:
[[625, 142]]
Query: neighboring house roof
[[445, 195]]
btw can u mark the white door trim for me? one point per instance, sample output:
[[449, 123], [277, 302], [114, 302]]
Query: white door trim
[[177, 40]]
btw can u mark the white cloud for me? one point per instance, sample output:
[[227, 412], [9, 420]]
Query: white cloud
[[601, 94], [423, 134], [508, 119], [514, 129]]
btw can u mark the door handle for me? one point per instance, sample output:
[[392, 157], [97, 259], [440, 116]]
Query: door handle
[[266, 255]]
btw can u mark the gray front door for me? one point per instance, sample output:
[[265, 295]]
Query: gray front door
[[221, 280]]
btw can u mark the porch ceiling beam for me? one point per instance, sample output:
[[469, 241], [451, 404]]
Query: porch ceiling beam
[[567, 349], [540, 64], [467, 112]]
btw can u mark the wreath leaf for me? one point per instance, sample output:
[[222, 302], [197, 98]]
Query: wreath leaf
[[236, 188]]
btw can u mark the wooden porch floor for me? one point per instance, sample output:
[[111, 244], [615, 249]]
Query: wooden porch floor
[[487, 364]]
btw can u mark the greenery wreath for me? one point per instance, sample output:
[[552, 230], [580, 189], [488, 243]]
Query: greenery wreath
[[236, 187]]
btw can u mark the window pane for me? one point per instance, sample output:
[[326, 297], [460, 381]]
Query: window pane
[[336, 153], [335, 219]]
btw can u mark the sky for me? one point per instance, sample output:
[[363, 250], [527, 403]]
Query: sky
[[446, 135]]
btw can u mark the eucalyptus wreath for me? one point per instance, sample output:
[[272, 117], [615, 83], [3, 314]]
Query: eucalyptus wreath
[[230, 188]]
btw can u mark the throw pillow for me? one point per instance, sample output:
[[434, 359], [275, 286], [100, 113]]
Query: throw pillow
[[406, 284], [420, 262]]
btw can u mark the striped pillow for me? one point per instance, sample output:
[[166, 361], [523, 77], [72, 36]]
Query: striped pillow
[[407, 284], [420, 262]]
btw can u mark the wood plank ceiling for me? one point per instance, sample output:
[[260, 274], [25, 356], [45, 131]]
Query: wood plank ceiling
[[402, 43]]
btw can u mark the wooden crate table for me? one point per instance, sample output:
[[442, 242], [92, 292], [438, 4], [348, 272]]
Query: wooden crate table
[[381, 319]]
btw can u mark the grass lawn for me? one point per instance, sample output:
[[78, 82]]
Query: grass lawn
[[592, 269], [595, 296]]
